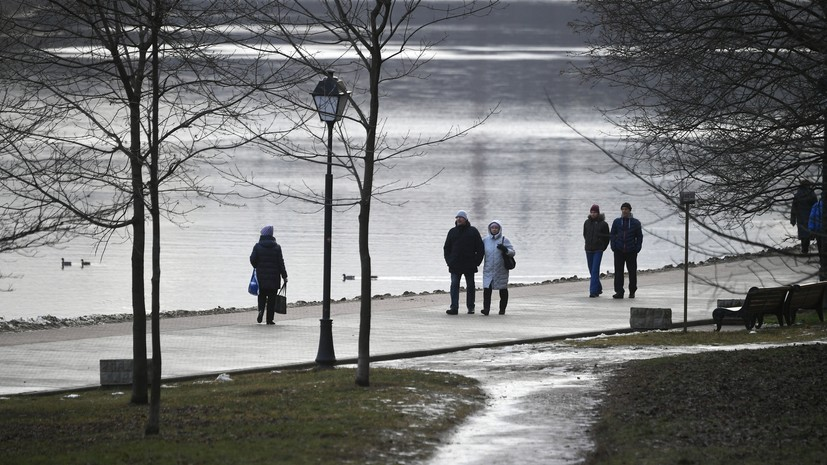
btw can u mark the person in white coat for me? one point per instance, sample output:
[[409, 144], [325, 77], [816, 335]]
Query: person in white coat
[[494, 273]]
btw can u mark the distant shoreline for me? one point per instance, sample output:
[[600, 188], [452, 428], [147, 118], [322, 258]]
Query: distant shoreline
[[53, 322]]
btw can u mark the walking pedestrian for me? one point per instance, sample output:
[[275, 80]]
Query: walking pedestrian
[[626, 240], [268, 261], [803, 201], [463, 252], [596, 235], [494, 272], [816, 228]]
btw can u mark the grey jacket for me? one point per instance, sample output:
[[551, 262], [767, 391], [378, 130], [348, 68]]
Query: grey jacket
[[494, 273]]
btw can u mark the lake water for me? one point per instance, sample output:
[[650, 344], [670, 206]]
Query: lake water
[[523, 167]]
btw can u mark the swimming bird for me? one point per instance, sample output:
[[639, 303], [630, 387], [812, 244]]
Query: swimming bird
[[64, 263], [348, 277]]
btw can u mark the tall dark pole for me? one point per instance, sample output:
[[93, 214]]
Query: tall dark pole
[[330, 97], [686, 271], [687, 198], [326, 355]]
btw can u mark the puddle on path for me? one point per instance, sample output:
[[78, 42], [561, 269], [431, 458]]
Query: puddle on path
[[542, 400]]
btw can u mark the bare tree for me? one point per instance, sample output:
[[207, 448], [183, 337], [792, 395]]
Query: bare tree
[[721, 98], [26, 223], [116, 100], [372, 44]]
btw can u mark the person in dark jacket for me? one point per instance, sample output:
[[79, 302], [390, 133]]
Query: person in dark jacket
[[463, 252], [626, 240], [596, 235], [268, 261], [803, 201]]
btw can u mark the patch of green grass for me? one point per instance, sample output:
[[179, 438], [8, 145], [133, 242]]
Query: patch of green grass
[[807, 328], [295, 417], [750, 407]]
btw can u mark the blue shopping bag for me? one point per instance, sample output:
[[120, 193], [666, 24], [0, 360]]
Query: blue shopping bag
[[252, 288]]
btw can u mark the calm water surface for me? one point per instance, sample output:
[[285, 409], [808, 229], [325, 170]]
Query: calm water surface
[[523, 167]]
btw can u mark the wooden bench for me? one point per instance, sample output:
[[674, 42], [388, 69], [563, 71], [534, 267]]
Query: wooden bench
[[758, 302], [806, 297]]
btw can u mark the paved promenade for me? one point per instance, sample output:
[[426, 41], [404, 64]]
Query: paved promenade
[[68, 358]]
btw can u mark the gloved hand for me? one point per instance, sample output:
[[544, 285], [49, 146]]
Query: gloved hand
[[285, 280], [502, 247]]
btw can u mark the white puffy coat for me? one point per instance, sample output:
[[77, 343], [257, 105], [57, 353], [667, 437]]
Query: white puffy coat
[[494, 273]]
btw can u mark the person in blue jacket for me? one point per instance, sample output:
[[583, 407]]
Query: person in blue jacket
[[464, 251], [268, 261], [626, 241], [814, 225]]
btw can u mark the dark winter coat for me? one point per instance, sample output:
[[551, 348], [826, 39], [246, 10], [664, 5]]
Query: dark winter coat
[[268, 261], [463, 249], [596, 233], [803, 202], [626, 235]]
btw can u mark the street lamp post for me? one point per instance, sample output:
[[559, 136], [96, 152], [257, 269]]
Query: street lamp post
[[330, 97], [687, 199]]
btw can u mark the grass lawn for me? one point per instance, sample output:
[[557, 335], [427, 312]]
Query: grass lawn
[[290, 417], [746, 407]]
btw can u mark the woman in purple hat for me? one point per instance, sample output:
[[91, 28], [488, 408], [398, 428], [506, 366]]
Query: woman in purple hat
[[268, 261]]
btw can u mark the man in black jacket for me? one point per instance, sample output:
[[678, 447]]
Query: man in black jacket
[[464, 252], [268, 261]]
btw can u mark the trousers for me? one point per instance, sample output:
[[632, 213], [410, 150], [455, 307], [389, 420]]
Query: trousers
[[629, 261], [470, 290]]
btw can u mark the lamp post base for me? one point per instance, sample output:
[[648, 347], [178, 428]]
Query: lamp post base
[[325, 356]]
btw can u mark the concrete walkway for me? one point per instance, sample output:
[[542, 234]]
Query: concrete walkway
[[69, 358]]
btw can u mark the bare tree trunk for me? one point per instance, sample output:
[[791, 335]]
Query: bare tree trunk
[[379, 17], [363, 362], [139, 363], [153, 426]]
